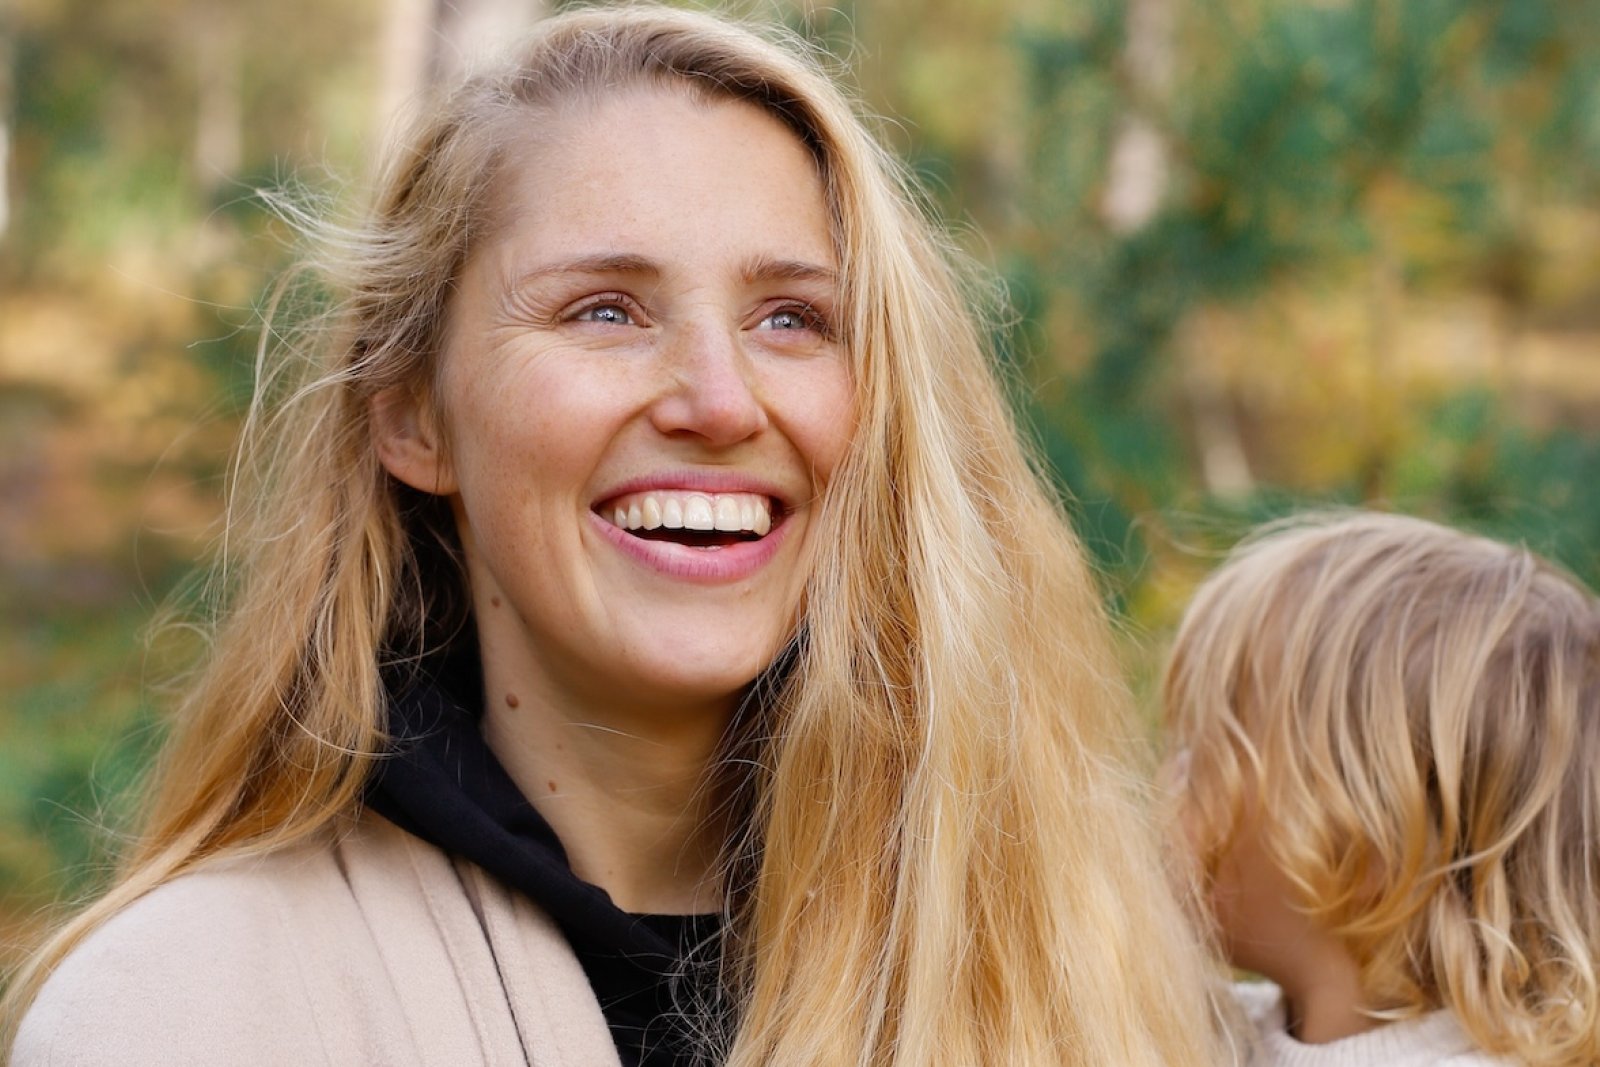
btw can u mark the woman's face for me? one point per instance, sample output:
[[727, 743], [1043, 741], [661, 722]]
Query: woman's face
[[643, 397]]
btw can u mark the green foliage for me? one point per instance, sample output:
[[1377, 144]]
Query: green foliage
[[1291, 128], [78, 735], [1495, 476], [129, 276]]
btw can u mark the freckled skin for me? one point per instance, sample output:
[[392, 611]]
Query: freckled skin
[[564, 379], [658, 305]]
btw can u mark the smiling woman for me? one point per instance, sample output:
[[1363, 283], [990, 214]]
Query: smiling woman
[[651, 642], [617, 344]]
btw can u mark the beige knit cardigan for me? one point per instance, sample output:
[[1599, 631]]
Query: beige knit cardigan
[[373, 949]]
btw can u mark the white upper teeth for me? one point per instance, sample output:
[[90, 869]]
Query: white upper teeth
[[724, 512]]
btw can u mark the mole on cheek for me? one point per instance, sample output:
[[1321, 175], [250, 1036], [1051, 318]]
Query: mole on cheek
[[552, 784], [494, 601], [511, 700]]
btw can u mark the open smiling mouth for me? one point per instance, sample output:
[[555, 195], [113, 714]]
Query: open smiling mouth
[[692, 519]]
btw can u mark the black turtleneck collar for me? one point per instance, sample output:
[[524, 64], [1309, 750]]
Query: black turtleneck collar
[[442, 784]]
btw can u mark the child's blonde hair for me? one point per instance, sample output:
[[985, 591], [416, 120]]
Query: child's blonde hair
[[1416, 714]]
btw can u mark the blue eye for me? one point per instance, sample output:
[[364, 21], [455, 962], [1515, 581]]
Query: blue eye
[[794, 318], [611, 314]]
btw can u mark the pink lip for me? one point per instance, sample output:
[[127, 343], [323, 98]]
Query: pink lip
[[728, 563]]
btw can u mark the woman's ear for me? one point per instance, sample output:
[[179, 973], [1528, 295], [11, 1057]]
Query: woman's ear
[[406, 435]]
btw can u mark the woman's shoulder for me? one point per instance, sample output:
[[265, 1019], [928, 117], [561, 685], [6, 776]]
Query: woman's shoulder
[[211, 961], [362, 947]]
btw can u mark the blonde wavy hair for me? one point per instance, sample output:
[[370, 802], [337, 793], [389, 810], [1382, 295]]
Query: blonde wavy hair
[[945, 858], [1416, 713]]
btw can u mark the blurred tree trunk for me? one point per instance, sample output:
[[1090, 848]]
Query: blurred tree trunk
[[1224, 466], [1382, 409], [6, 60], [430, 44], [1138, 172], [219, 121]]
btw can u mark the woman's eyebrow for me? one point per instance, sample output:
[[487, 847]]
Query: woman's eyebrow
[[767, 269], [597, 263], [761, 269]]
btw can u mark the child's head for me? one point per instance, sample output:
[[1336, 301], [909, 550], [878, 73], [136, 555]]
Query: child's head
[[1406, 719]]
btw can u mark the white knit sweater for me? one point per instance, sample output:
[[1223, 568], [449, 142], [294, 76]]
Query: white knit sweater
[[1434, 1040]]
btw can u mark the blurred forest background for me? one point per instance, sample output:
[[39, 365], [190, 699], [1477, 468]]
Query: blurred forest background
[[1260, 254]]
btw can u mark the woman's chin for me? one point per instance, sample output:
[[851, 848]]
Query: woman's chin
[[689, 689]]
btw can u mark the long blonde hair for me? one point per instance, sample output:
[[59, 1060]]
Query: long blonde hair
[[1416, 713], [945, 859]]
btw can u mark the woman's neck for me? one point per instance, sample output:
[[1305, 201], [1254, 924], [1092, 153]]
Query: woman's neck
[[626, 794]]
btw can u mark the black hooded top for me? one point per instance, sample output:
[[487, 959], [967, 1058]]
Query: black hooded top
[[652, 974]]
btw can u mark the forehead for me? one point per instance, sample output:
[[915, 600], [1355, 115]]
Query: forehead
[[665, 165]]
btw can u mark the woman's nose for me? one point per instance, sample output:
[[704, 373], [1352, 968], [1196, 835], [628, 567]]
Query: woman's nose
[[711, 393]]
